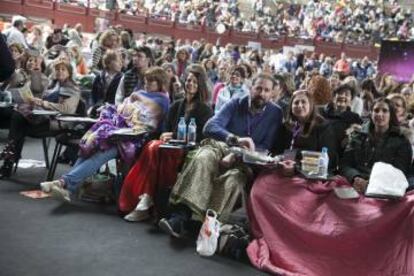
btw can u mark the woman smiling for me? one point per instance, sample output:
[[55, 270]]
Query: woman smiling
[[304, 128], [301, 227], [138, 190], [378, 140]]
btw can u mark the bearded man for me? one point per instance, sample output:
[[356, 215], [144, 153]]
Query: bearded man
[[210, 180]]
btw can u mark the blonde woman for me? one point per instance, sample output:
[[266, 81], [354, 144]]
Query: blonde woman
[[108, 40]]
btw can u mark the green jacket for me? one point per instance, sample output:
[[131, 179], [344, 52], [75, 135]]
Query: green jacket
[[363, 151]]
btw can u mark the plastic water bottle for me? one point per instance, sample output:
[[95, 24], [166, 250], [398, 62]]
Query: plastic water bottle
[[324, 162], [192, 132], [7, 99], [182, 130]]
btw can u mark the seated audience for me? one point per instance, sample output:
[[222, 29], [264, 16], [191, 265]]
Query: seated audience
[[368, 95], [235, 88], [142, 111], [56, 38], [282, 92], [109, 40], [379, 140], [133, 79], [174, 85], [15, 34], [320, 89], [106, 83], [153, 168], [400, 106], [306, 221], [305, 129], [65, 98], [223, 76], [181, 61], [339, 115], [251, 122], [18, 54]]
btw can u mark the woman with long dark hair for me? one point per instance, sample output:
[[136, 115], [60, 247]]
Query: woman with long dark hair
[[140, 185], [380, 139], [307, 221]]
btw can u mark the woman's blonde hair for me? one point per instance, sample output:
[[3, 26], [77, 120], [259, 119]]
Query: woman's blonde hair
[[105, 35]]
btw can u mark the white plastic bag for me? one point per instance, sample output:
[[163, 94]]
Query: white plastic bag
[[209, 234], [386, 180]]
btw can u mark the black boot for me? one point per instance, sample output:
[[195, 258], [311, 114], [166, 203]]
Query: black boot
[[7, 151], [6, 169], [9, 156]]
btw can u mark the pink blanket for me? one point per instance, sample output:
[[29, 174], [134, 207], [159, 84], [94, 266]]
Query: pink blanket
[[300, 227]]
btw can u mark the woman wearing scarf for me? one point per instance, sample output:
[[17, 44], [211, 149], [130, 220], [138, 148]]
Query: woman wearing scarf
[[235, 88], [140, 185], [143, 111]]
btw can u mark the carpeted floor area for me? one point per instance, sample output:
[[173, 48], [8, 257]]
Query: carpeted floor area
[[47, 237]]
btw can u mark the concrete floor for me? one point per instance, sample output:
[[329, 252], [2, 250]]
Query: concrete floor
[[47, 237]]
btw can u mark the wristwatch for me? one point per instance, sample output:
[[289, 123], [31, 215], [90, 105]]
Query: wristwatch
[[232, 140]]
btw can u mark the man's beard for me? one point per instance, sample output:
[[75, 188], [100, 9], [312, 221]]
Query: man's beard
[[258, 103]]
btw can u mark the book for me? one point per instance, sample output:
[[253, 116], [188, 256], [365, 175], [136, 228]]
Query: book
[[22, 94]]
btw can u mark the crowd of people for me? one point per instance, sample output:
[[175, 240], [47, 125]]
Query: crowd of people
[[273, 101], [348, 21]]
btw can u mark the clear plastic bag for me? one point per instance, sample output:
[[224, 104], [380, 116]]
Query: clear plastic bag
[[209, 234]]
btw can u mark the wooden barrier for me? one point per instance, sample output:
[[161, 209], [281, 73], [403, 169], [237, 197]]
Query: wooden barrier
[[328, 48], [11, 7], [160, 26], [39, 8], [67, 8], [61, 13], [358, 51], [134, 22]]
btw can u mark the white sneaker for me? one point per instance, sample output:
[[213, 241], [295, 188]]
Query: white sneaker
[[145, 202], [137, 216], [60, 193], [47, 185]]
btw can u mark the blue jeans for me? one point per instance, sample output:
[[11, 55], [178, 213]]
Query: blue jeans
[[84, 168]]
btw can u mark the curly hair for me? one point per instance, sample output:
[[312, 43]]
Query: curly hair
[[106, 35], [320, 88]]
